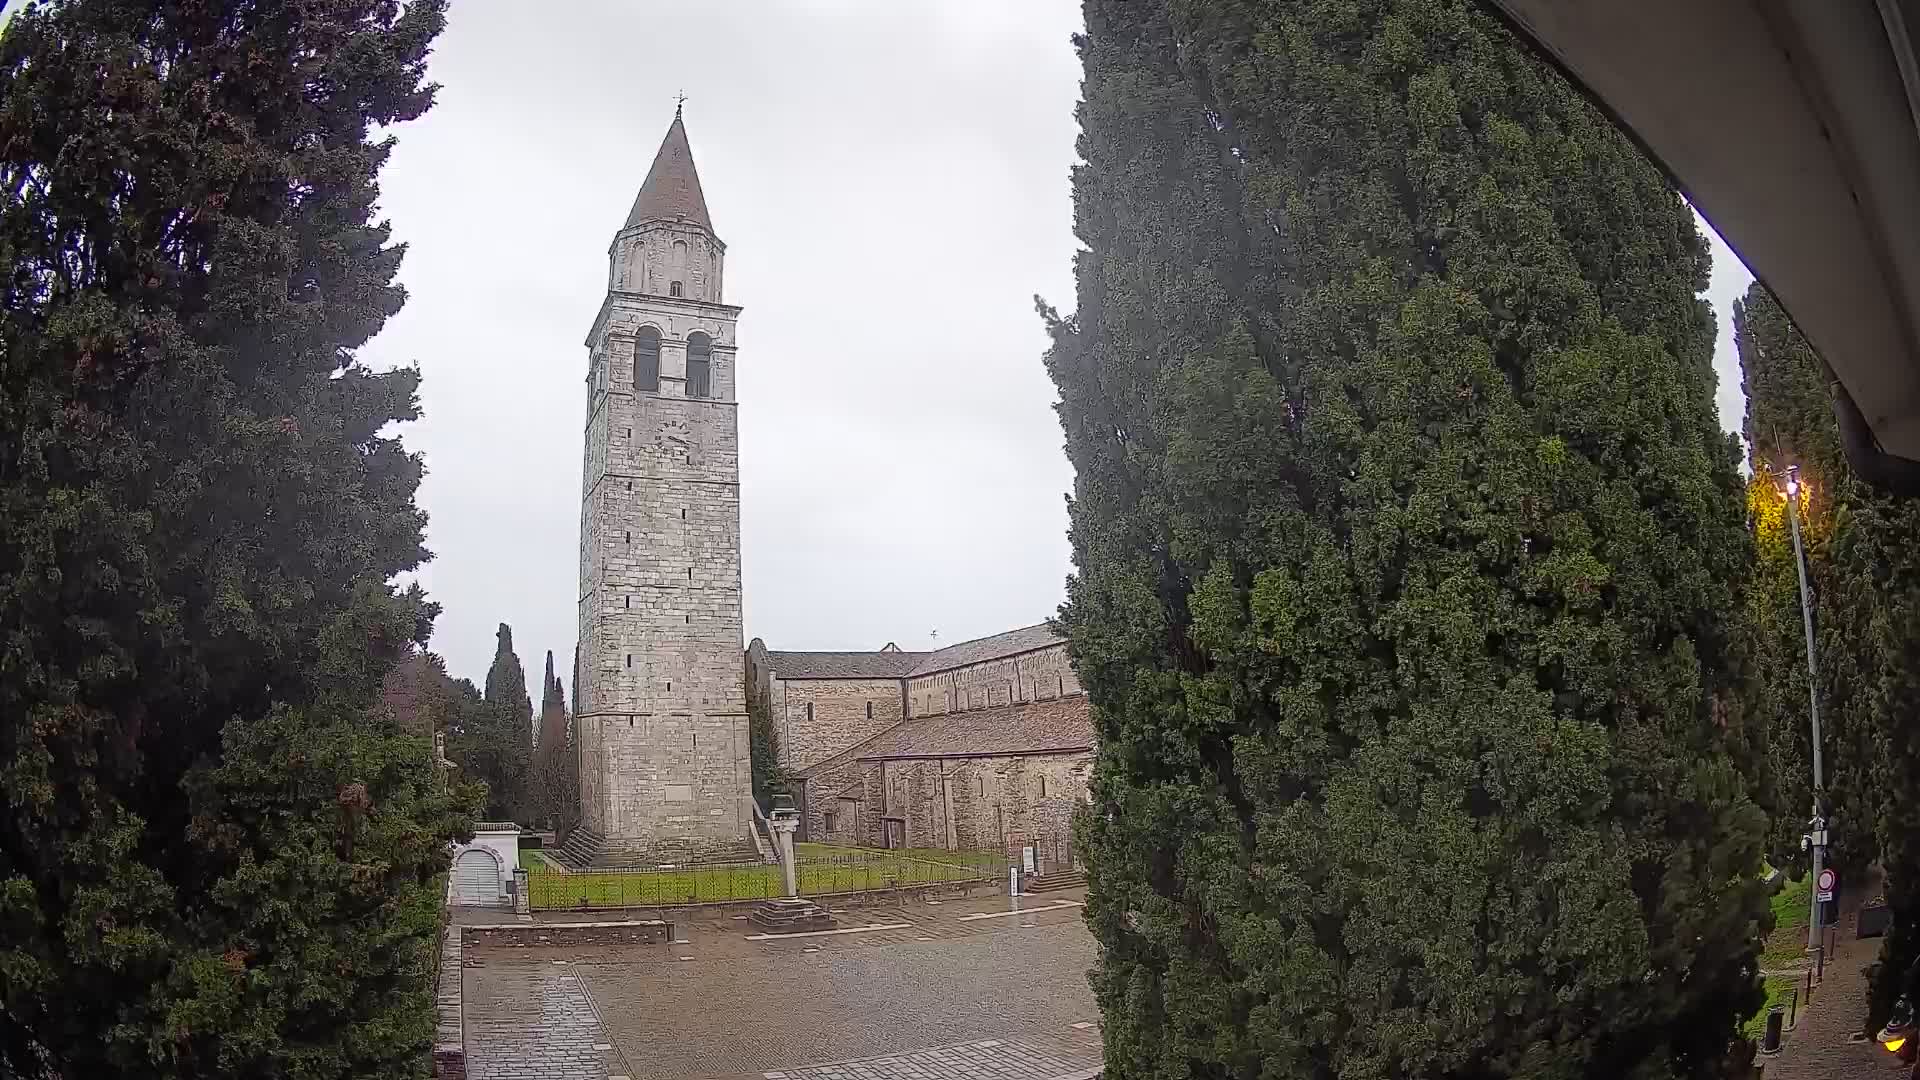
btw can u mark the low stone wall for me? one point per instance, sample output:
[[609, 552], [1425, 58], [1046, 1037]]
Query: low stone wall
[[450, 1034], [613, 932]]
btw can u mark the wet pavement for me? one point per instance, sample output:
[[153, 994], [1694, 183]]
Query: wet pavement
[[980, 987]]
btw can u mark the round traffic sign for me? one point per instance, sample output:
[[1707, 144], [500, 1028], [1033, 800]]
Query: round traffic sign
[[1827, 880]]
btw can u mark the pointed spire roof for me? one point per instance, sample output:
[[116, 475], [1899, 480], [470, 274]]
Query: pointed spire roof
[[672, 190]]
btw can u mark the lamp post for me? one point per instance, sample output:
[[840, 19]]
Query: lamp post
[[1817, 827]]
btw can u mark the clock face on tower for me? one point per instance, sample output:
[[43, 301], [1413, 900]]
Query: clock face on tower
[[673, 437]]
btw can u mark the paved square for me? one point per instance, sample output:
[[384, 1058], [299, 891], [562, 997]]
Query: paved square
[[989, 1059], [940, 999], [532, 1021]]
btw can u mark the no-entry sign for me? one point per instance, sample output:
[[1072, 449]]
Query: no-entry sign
[[1823, 888]]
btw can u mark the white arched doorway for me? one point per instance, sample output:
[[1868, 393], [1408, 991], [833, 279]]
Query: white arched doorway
[[477, 875]]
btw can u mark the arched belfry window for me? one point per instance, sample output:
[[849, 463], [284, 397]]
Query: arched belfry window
[[699, 365], [646, 360], [674, 289]]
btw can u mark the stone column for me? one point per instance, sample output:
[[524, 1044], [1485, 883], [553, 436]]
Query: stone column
[[782, 827]]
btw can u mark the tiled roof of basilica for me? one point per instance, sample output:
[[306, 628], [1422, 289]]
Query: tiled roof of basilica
[[842, 665], [1036, 727], [980, 650], [894, 664]]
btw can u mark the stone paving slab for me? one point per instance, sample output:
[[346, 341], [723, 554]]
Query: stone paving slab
[[535, 1022], [984, 1059]]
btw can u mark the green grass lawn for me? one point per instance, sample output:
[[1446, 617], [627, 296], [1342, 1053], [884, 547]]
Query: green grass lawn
[[1777, 991], [823, 870], [1786, 947], [1793, 904]]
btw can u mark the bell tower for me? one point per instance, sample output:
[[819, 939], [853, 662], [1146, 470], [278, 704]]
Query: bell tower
[[661, 716]]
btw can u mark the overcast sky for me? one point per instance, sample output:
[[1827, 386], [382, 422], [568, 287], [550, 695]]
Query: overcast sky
[[891, 180]]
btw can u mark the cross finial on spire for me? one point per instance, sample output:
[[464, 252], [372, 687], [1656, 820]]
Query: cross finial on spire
[[679, 100]]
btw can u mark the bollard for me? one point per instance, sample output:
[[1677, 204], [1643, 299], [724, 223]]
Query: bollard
[[1770, 1040], [1793, 1007]]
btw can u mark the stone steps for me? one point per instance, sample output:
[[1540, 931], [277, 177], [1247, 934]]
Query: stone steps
[[583, 848], [791, 915], [1054, 881]]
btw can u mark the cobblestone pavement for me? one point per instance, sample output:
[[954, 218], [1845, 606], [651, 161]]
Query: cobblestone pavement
[[716, 1005], [987, 1059], [1821, 1045], [534, 1021]]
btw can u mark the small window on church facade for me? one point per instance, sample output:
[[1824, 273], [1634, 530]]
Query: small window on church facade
[[831, 820], [646, 360], [674, 289], [1043, 785], [869, 710], [699, 365], [809, 710]]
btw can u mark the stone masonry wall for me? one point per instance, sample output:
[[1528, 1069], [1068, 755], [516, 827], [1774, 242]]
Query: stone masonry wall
[[661, 708], [1033, 676], [844, 713], [985, 803]]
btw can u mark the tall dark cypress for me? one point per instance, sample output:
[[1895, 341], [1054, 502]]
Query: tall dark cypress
[[1406, 545], [1865, 575], [218, 856]]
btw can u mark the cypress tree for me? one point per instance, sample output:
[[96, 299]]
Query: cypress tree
[[508, 731], [1865, 578], [1789, 422], [218, 854], [507, 681], [1406, 542]]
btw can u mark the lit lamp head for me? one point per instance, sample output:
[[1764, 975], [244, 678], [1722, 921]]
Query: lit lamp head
[[1793, 481]]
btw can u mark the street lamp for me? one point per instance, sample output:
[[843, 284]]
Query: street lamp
[[1817, 826]]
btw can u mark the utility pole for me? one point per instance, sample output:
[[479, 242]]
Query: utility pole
[[1817, 826]]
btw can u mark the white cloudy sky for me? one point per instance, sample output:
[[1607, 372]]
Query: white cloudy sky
[[890, 177]]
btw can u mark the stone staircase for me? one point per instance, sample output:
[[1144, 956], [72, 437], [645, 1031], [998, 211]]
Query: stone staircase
[[790, 915], [1054, 881], [582, 849]]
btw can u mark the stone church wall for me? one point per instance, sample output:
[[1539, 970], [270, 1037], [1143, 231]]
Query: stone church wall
[[978, 803], [1033, 676], [814, 719]]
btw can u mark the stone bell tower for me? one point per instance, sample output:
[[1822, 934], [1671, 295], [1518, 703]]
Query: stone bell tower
[[661, 713]]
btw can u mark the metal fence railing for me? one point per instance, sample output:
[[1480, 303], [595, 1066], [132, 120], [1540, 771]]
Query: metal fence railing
[[819, 871]]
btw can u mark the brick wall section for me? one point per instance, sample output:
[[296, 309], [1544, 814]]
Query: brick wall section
[[661, 718], [1040, 675]]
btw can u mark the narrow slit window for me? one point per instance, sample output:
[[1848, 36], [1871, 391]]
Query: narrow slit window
[[809, 710], [869, 710], [629, 659]]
